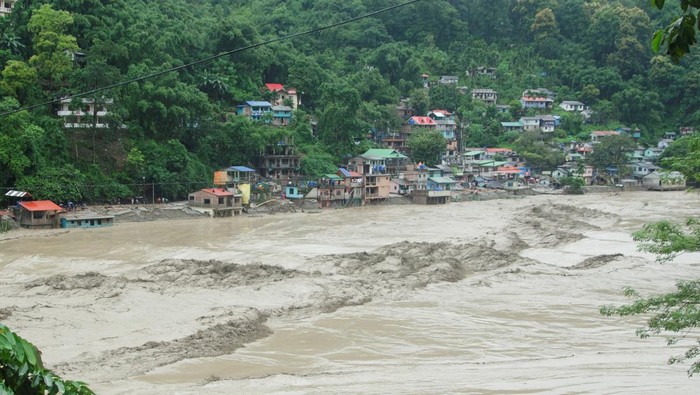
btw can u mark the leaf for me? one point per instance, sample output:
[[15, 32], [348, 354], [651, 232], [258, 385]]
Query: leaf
[[19, 350], [658, 3], [30, 352], [48, 380], [657, 40]]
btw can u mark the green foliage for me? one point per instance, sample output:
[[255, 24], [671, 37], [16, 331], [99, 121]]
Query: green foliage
[[427, 147], [613, 152], [22, 371], [538, 154], [667, 240], [52, 46], [317, 163], [60, 184], [674, 314], [680, 35], [573, 185], [349, 78], [684, 156]]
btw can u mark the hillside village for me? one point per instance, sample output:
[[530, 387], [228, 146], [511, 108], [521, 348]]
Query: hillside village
[[380, 173], [339, 143]]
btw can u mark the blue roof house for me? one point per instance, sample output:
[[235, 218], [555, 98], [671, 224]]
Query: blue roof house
[[254, 110]]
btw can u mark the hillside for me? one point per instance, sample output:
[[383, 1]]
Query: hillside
[[173, 130]]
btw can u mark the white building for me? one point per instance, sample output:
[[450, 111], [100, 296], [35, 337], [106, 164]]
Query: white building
[[6, 6], [567, 105], [90, 114]]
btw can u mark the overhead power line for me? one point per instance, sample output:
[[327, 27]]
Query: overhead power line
[[210, 58]]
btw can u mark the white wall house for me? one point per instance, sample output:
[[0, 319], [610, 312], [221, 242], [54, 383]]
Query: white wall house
[[6, 6], [570, 106], [89, 114]]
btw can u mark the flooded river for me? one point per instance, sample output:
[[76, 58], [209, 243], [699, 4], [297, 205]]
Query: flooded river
[[488, 297]]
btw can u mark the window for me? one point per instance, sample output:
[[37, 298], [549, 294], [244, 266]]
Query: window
[[207, 201], [221, 200]]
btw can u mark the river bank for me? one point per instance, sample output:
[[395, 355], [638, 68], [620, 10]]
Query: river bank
[[352, 300]]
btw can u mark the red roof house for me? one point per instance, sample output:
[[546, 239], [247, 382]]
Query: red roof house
[[39, 214]]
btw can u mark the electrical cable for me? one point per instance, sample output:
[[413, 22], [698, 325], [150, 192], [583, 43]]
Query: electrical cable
[[208, 59]]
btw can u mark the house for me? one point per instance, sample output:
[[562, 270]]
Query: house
[[483, 71], [280, 161], [652, 154], [39, 214], [281, 115], [234, 175], [574, 171], [284, 96], [354, 185], [448, 80], [547, 123], [670, 136], [331, 191], [544, 123], [686, 130], [91, 113], [437, 191], [536, 102], [6, 6], [599, 134], [640, 170], [87, 221], [376, 167], [422, 123], [570, 106], [425, 78], [378, 161], [446, 125], [503, 108], [488, 96], [223, 202], [634, 133], [529, 123], [637, 155], [664, 143], [254, 110], [664, 181], [539, 92]]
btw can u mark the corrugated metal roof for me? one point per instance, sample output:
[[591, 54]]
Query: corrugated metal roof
[[40, 205], [442, 180], [383, 153], [19, 194], [242, 169], [259, 103], [473, 153]]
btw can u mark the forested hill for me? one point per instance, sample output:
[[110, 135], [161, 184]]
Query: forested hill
[[172, 130]]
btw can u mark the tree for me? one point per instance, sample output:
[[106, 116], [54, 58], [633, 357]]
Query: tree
[[573, 185], [53, 48], [678, 36], [538, 154], [678, 312], [427, 147], [684, 156], [612, 155], [23, 372]]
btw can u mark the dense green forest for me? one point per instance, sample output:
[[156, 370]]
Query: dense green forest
[[173, 130]]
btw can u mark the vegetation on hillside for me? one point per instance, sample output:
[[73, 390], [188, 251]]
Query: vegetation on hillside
[[178, 126]]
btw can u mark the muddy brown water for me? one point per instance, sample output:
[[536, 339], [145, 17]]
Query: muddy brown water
[[477, 297]]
